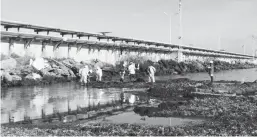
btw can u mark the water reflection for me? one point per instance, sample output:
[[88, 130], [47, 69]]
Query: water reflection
[[31, 101]]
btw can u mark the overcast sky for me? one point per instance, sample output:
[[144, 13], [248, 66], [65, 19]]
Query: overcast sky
[[203, 21]]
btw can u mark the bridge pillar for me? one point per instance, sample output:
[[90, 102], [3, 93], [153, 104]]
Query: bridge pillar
[[57, 45], [69, 49], [44, 43], [180, 55], [11, 45], [79, 46]]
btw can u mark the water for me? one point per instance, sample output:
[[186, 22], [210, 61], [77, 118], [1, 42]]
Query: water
[[132, 118], [244, 75], [29, 101]]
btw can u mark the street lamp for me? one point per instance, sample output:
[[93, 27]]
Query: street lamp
[[170, 24]]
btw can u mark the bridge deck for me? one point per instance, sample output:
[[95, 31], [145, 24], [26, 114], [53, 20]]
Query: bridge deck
[[63, 32]]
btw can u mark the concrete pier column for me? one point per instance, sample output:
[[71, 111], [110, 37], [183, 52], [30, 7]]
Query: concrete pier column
[[69, 49], [180, 55], [11, 46], [27, 43], [44, 43]]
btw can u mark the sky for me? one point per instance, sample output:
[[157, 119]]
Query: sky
[[203, 21]]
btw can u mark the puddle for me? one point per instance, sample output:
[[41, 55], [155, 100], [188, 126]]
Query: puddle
[[133, 118]]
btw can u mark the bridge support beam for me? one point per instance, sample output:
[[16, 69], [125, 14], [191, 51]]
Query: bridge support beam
[[57, 45], [11, 45], [27, 43], [79, 46]]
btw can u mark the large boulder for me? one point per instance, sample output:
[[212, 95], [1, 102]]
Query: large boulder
[[39, 63], [16, 78], [6, 77], [47, 72], [25, 70], [62, 72], [8, 64]]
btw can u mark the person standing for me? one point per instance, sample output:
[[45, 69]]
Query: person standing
[[131, 70], [122, 72], [84, 72], [151, 71], [99, 74], [211, 70]]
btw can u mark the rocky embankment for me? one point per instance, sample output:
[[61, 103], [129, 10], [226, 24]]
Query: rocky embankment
[[20, 71]]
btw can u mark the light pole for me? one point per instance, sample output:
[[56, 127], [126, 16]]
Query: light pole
[[180, 22], [170, 24], [253, 43]]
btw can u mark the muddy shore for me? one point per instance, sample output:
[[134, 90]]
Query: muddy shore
[[228, 107]]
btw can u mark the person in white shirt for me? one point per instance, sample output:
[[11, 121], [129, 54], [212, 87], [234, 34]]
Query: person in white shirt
[[99, 74], [84, 72], [151, 71], [131, 70], [31, 62]]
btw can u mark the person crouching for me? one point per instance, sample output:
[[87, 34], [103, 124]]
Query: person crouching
[[151, 71]]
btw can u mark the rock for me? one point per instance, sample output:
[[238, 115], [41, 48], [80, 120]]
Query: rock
[[175, 72], [6, 77], [16, 78], [82, 116], [140, 80], [238, 91], [8, 64], [71, 73], [61, 72], [39, 63], [26, 70], [47, 72], [69, 118], [33, 76], [220, 91]]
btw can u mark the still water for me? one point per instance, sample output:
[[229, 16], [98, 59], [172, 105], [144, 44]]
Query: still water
[[30, 101], [244, 75]]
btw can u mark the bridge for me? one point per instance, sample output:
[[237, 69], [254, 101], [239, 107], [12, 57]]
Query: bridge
[[39, 41]]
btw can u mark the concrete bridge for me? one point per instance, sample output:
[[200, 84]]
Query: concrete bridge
[[39, 41]]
